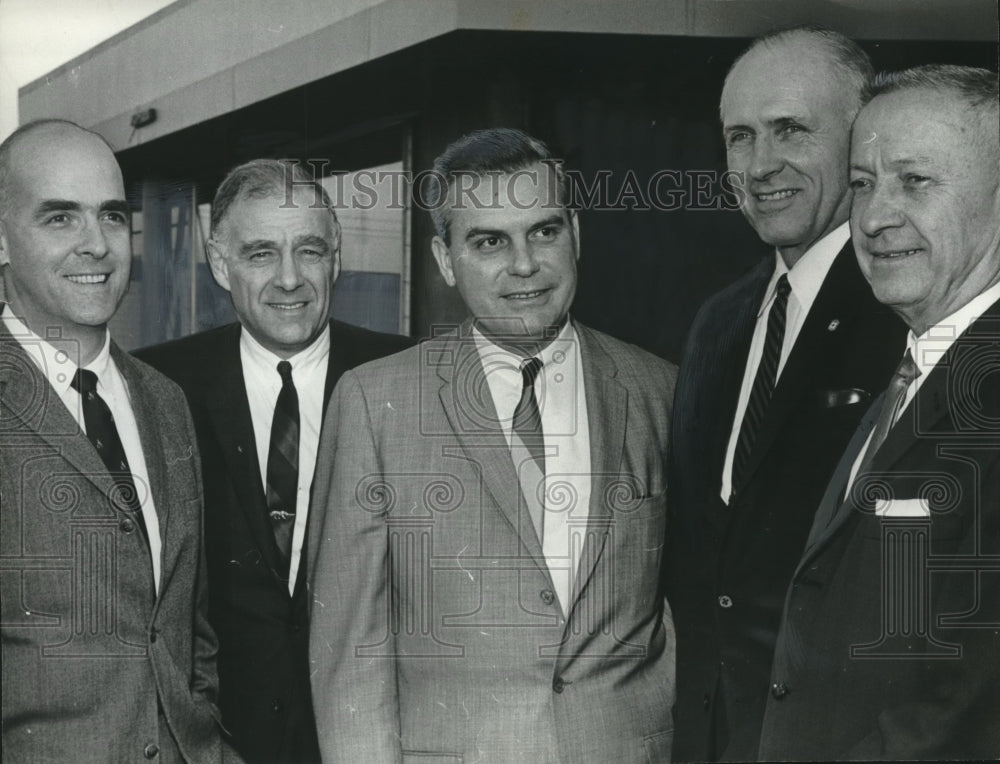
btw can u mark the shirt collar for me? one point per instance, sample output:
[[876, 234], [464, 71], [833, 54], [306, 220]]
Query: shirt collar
[[305, 360], [930, 347], [807, 275], [58, 360], [491, 353]]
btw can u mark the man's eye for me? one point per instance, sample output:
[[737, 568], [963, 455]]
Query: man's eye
[[918, 181], [736, 138], [792, 129], [115, 218], [547, 233], [860, 184], [59, 219], [489, 243], [263, 254], [310, 254]]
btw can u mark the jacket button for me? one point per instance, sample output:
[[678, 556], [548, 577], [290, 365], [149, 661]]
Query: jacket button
[[126, 526], [725, 601], [152, 636], [558, 685], [150, 751], [277, 706], [547, 596], [779, 690]]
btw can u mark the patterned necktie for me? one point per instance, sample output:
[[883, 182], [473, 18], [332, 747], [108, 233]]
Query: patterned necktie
[[892, 405], [283, 465], [528, 447], [101, 431], [763, 383], [527, 418]]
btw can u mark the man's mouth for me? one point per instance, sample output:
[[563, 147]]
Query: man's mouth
[[88, 278], [288, 305], [892, 254], [776, 196], [526, 295]]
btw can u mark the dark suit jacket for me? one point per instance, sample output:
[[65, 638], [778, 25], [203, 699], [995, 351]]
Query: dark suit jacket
[[263, 670], [89, 654], [435, 631], [890, 641], [729, 567]]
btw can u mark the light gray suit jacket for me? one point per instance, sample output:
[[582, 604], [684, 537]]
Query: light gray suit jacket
[[435, 635], [89, 654]]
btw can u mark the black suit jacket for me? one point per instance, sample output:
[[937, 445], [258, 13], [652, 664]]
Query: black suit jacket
[[263, 650], [730, 566], [890, 641]]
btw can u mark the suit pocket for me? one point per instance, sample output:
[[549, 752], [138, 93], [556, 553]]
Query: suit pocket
[[658, 746]]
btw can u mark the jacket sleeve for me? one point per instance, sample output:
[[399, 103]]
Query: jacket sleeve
[[351, 646]]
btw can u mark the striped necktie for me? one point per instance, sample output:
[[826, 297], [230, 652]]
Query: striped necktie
[[283, 466]]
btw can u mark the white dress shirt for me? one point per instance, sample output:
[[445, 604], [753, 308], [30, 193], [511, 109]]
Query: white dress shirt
[[58, 364], [263, 383], [562, 403], [805, 278], [929, 348]]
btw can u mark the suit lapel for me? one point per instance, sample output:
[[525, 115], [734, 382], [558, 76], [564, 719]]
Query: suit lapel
[[150, 425], [930, 410], [607, 410], [833, 303], [468, 405], [35, 406], [229, 411]]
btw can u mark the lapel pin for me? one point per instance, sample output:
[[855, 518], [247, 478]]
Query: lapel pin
[[239, 449], [833, 325]]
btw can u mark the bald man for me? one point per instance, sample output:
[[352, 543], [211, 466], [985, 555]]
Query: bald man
[[107, 652]]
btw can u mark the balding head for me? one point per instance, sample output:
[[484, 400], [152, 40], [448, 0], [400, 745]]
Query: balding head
[[64, 232]]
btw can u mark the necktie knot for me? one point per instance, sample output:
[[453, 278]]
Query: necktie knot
[[530, 368], [907, 370], [783, 288], [84, 381], [285, 372]]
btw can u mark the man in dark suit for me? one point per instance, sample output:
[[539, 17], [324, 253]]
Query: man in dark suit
[[107, 651], [778, 369], [257, 390], [488, 518], [890, 641]]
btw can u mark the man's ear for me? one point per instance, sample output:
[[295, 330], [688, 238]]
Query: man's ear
[[443, 256], [336, 252], [575, 221], [218, 263], [4, 246]]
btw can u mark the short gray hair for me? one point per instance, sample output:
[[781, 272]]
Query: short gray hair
[[977, 87], [260, 178], [847, 57]]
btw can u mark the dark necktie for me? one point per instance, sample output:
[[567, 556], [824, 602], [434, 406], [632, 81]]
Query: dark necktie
[[892, 404], [101, 431], [763, 383], [527, 418], [283, 465]]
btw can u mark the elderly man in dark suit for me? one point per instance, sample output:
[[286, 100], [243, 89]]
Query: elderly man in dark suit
[[488, 522], [777, 371], [107, 651], [890, 641], [257, 390]]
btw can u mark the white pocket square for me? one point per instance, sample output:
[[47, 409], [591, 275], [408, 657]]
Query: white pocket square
[[903, 508]]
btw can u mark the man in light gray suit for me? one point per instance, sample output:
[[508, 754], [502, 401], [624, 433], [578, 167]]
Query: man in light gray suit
[[488, 516], [107, 653]]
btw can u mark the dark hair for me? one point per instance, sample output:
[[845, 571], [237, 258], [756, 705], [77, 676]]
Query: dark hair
[[493, 150], [29, 127], [260, 178], [977, 87], [846, 55]]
